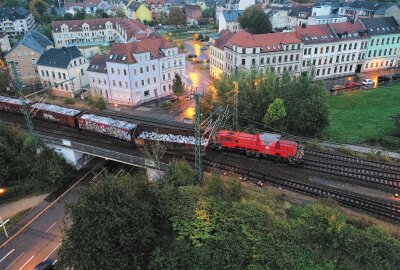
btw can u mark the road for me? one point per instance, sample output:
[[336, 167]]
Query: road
[[43, 237]]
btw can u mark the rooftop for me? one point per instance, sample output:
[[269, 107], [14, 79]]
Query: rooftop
[[13, 13], [59, 57], [76, 25], [381, 26], [35, 41], [84, 4], [232, 15]]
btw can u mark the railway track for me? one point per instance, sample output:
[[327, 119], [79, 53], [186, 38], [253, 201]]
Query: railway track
[[348, 159], [379, 208], [376, 177]]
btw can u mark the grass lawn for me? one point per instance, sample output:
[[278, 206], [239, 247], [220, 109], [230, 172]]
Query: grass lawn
[[365, 117]]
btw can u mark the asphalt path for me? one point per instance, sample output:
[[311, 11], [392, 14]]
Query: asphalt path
[[42, 238]]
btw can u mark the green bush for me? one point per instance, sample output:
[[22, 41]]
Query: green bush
[[69, 101], [97, 102]]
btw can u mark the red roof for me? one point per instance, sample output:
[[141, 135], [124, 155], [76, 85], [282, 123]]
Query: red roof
[[315, 33], [346, 28], [137, 29], [124, 52], [268, 42], [76, 25]]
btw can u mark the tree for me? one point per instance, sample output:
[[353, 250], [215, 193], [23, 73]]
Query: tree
[[176, 16], [177, 85], [38, 8], [115, 224], [4, 73], [46, 30], [14, 3], [101, 13], [255, 21], [120, 13], [80, 14], [68, 16], [276, 111]]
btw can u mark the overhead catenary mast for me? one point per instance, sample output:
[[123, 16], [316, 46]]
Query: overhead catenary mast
[[25, 109], [197, 136]]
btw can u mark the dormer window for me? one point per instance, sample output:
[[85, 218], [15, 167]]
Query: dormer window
[[111, 56], [123, 58]]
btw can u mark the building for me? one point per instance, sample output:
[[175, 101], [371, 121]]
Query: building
[[278, 51], [366, 9], [324, 19], [63, 70], [333, 50], [193, 14], [278, 17], [89, 6], [298, 15], [384, 45], [26, 53], [4, 42], [15, 21], [229, 20], [224, 5], [321, 10], [138, 11], [98, 31], [133, 73]]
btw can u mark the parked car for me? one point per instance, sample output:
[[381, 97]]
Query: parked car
[[174, 98], [46, 265], [368, 82], [337, 87], [383, 79], [192, 55], [353, 84], [203, 48], [396, 76]]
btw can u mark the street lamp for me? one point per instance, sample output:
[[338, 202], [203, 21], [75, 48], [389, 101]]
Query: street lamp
[[2, 224]]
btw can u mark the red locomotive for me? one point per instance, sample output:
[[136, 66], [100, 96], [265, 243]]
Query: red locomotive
[[261, 144]]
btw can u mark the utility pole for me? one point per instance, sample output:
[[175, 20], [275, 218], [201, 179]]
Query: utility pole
[[25, 109], [197, 138], [235, 101]]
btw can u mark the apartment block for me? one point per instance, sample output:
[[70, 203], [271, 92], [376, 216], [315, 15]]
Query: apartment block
[[133, 73], [16, 21]]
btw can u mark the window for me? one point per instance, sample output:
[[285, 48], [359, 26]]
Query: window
[[113, 82], [93, 80], [372, 42], [262, 61], [285, 58], [47, 73], [126, 84], [315, 50], [164, 88], [112, 70], [118, 71], [154, 66], [33, 61], [124, 71], [305, 51], [64, 77], [350, 46], [279, 59], [120, 83], [327, 49], [333, 49], [383, 41], [141, 70], [74, 62], [142, 82], [243, 62], [377, 41], [146, 93], [340, 48], [147, 68], [59, 75], [53, 74], [321, 50], [82, 72], [344, 47], [42, 73], [155, 79]]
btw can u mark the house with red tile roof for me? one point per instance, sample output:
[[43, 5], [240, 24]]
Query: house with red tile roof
[[278, 51], [133, 73], [89, 6]]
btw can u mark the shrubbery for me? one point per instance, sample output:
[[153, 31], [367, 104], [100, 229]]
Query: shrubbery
[[177, 224]]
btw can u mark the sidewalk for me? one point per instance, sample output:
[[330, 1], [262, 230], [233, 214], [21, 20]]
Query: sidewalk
[[11, 209]]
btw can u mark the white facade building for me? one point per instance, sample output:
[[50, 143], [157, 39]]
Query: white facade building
[[321, 10], [224, 5], [229, 20], [99, 31], [324, 19], [279, 51], [134, 73], [16, 21], [64, 70], [333, 50]]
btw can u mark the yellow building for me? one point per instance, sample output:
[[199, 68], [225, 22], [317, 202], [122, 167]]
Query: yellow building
[[138, 11]]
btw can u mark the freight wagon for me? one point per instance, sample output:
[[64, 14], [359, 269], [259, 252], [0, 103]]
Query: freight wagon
[[12, 104], [174, 140], [107, 126], [55, 113]]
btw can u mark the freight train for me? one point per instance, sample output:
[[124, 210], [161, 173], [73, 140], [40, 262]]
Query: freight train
[[259, 145]]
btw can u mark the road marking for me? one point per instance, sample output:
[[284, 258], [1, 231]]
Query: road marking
[[15, 260], [52, 251], [44, 210], [27, 262], [7, 255], [50, 227]]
